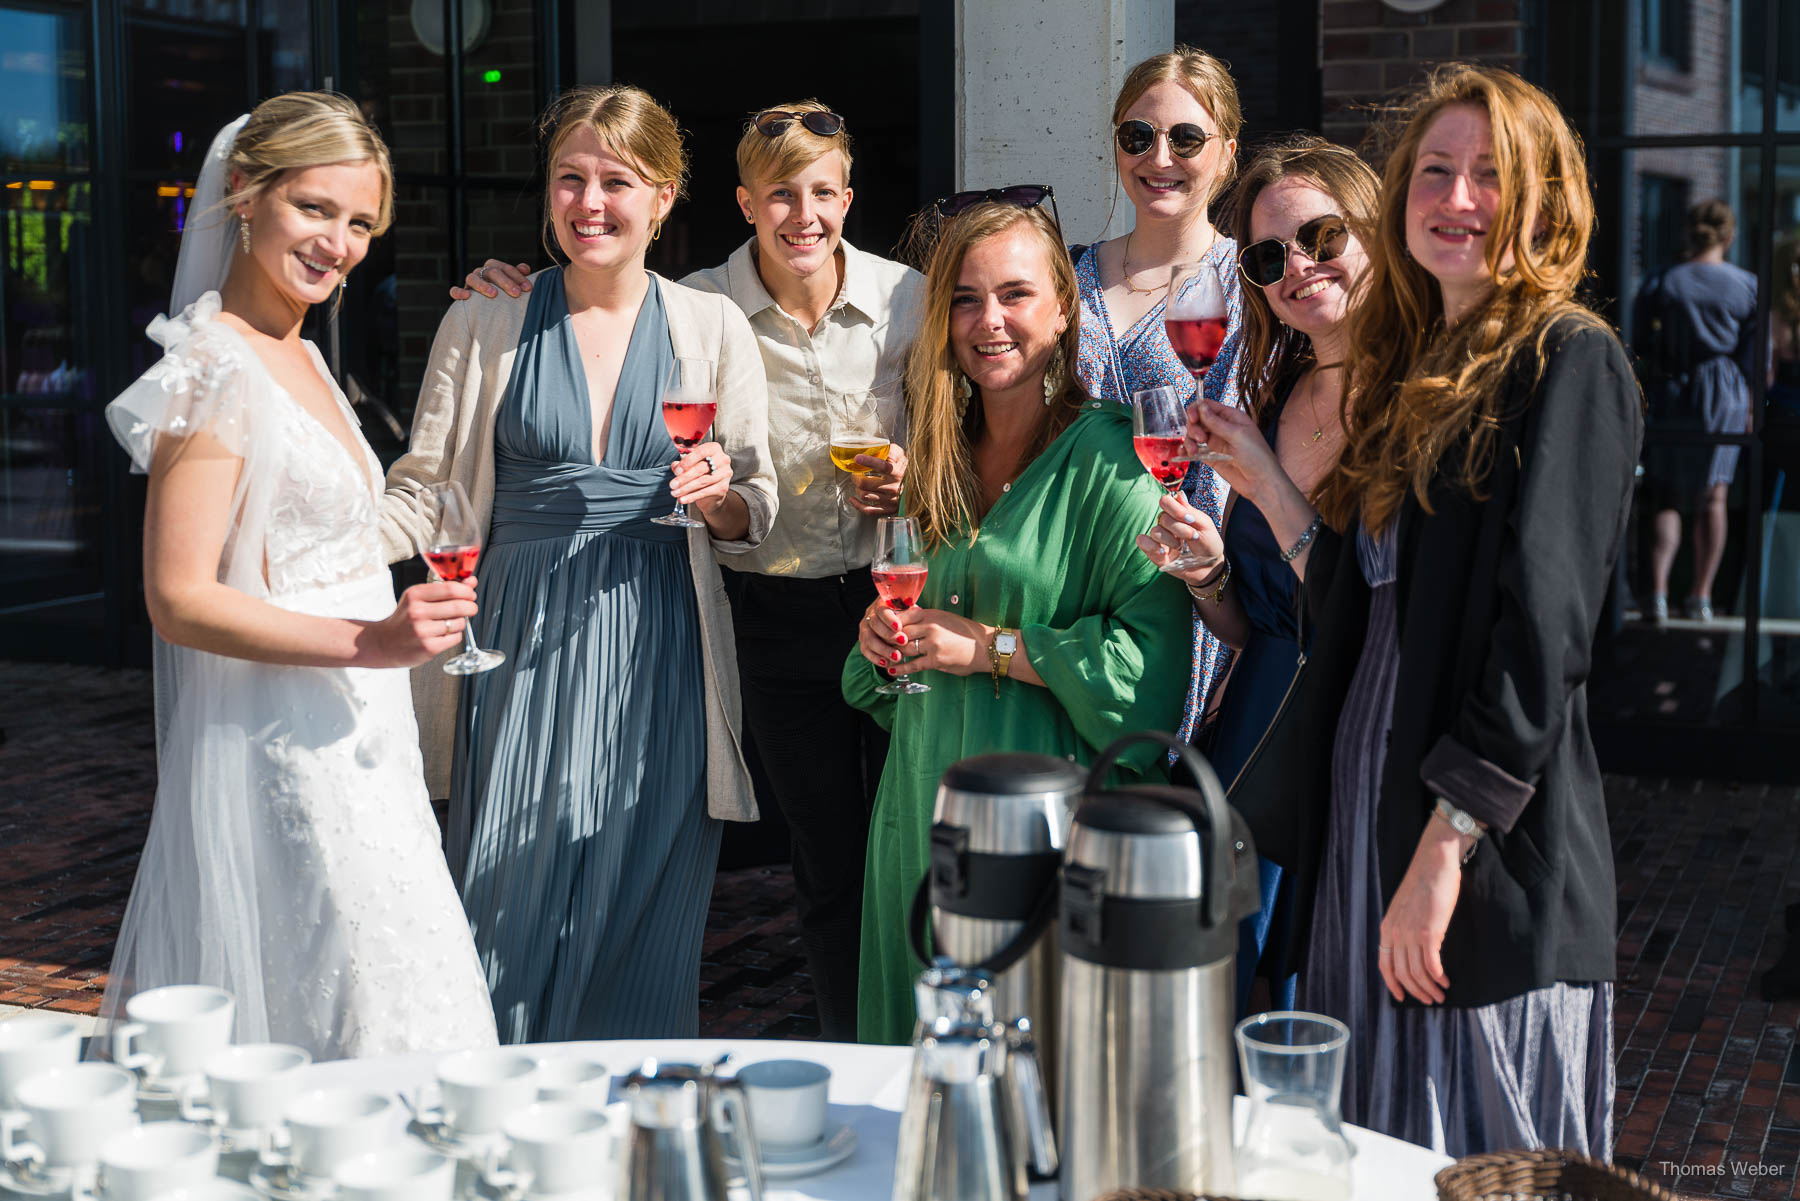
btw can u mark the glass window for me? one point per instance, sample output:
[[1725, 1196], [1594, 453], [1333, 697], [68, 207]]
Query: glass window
[[1778, 22], [501, 92], [401, 292], [222, 12], [1664, 32], [47, 242], [44, 106], [1778, 648], [50, 502], [284, 48], [183, 85]]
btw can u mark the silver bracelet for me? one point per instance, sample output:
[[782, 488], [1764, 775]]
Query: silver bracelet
[[1312, 531]]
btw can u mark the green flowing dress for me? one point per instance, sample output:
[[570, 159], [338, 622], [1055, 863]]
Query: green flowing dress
[[1056, 558]]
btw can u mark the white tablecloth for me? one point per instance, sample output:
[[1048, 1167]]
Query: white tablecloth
[[868, 1091]]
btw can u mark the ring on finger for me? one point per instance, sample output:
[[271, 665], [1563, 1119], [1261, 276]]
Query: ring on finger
[[710, 469], [446, 625]]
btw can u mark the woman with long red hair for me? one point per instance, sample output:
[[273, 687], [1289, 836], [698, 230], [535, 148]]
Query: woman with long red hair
[[1459, 561]]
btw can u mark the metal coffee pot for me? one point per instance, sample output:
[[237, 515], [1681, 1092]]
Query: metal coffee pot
[[685, 1123], [1154, 881], [989, 896], [956, 1141], [946, 994]]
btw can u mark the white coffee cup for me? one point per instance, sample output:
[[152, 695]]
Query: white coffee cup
[[327, 1127], [34, 1043], [247, 1087], [147, 1161], [70, 1113], [573, 1079], [558, 1147], [403, 1173], [479, 1089], [211, 1190], [173, 1031], [787, 1101]]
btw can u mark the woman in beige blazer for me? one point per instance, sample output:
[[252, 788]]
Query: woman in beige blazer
[[588, 773]]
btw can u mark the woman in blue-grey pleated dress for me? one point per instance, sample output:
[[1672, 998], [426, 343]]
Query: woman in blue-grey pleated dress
[[591, 767]]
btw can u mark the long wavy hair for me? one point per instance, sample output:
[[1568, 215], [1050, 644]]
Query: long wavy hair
[[942, 489], [1423, 393], [1275, 354]]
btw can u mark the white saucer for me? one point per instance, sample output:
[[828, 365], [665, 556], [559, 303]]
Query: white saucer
[[167, 1088], [446, 1141], [483, 1191], [284, 1184], [47, 1184], [833, 1148]]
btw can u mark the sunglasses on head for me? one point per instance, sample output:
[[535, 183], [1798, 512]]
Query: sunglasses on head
[[1322, 239], [1019, 195], [772, 122], [1139, 137]]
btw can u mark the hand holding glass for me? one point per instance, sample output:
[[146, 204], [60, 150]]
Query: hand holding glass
[[1158, 434], [455, 547], [899, 569], [856, 430], [688, 407], [1196, 319]]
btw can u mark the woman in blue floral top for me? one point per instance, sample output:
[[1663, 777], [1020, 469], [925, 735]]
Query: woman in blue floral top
[[1176, 123]]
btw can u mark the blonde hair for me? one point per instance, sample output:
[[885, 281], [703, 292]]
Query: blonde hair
[[942, 489], [1423, 393], [630, 124], [761, 158], [298, 130], [1205, 78], [1273, 353]]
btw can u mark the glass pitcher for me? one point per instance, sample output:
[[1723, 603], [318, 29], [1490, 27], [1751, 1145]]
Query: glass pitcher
[[1293, 1147]]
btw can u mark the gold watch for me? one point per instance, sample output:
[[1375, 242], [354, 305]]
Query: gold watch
[[1002, 646]]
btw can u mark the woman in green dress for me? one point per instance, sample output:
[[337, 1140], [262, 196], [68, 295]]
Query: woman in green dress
[[1039, 629]]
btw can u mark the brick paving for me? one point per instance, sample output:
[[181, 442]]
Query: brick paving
[[1709, 1073]]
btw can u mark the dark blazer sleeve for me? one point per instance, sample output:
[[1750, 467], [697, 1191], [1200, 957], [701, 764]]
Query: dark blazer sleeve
[[1579, 444]]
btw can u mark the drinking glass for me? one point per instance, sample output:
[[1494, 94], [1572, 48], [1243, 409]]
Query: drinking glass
[[1196, 319], [1158, 434], [856, 430], [455, 547], [899, 569], [1293, 1147], [688, 407]]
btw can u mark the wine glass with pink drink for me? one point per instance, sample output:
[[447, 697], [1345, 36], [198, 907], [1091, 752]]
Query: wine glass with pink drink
[[454, 549], [899, 569], [1196, 319], [688, 407], [1159, 436]]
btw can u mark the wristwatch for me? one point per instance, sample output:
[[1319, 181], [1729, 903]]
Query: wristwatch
[[1001, 648], [1463, 824]]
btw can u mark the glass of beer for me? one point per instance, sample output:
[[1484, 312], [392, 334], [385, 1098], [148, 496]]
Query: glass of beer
[[856, 430]]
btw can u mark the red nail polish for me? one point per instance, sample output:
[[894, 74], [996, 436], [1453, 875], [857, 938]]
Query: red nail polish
[[895, 656], [903, 640]]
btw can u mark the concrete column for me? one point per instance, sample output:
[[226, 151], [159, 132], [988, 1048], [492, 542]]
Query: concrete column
[[1035, 85]]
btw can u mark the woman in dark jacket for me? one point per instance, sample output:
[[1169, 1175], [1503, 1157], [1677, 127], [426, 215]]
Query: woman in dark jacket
[[1464, 923]]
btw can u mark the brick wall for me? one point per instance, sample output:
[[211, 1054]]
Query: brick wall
[[1247, 36], [1370, 49]]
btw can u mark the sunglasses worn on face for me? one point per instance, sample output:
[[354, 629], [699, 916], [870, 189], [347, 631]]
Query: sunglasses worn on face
[[1019, 195], [1139, 137], [1322, 239], [772, 122]]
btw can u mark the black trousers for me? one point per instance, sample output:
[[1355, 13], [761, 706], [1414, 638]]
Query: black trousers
[[823, 759]]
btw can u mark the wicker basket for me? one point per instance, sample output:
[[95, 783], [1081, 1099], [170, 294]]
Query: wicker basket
[[1548, 1175]]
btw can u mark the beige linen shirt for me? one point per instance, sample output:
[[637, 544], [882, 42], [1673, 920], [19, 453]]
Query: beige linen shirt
[[453, 439], [859, 346]]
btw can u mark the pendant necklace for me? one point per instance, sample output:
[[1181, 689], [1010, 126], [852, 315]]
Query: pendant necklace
[[1312, 399]]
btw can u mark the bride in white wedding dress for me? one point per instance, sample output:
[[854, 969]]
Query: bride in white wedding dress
[[293, 858]]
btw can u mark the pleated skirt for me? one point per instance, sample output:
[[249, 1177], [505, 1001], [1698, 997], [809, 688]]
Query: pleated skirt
[[1535, 1070], [578, 825]]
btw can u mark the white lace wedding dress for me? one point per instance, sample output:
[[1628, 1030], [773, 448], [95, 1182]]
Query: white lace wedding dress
[[292, 857]]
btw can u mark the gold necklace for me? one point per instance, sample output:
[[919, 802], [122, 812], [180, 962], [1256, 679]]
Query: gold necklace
[[1125, 266], [1312, 398]]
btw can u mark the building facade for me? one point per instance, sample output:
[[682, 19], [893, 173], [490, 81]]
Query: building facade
[[107, 106]]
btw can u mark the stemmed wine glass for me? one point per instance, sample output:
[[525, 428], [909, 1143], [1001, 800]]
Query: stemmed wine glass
[[899, 569], [1158, 435], [1196, 319], [455, 547], [688, 407]]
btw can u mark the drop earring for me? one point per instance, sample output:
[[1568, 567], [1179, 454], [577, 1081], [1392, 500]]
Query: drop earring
[[965, 391], [1053, 376], [244, 233]]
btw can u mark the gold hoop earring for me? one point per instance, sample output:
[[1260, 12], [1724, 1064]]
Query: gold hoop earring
[[655, 230], [244, 233]]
